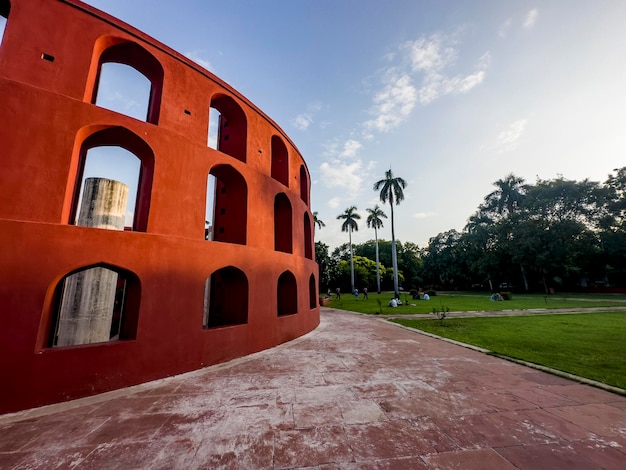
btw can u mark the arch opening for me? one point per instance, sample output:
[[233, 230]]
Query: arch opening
[[129, 80], [282, 224], [287, 300], [226, 214], [119, 155], [304, 185], [228, 128], [312, 292], [225, 298], [95, 304], [308, 245], [280, 161]]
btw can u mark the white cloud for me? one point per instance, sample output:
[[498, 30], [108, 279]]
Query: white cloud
[[508, 139], [334, 202], [339, 174], [350, 149], [531, 18], [195, 56], [393, 104], [302, 121], [431, 56], [503, 29]]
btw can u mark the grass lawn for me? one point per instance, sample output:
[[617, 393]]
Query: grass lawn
[[591, 345], [464, 302]]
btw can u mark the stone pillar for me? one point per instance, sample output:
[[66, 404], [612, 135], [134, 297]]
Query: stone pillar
[[88, 300]]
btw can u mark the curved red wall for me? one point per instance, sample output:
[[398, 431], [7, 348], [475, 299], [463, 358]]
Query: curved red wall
[[47, 121]]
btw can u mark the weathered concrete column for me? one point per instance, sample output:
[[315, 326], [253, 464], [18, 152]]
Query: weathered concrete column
[[86, 309]]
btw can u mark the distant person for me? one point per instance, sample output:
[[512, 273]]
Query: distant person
[[426, 297], [355, 292], [365, 297], [338, 293], [393, 303]]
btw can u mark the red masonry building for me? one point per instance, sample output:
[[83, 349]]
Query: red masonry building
[[187, 290]]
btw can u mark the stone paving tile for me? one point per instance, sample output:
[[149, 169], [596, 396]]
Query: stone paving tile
[[357, 393]]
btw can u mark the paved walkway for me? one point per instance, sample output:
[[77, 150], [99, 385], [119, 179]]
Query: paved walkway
[[357, 393]]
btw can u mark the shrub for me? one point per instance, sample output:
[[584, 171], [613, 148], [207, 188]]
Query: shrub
[[431, 292], [506, 295]]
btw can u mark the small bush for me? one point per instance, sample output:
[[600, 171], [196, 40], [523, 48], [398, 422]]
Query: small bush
[[506, 295], [431, 292]]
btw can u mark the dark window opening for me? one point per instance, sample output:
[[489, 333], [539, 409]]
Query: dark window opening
[[226, 211], [48, 57], [280, 161], [282, 224], [94, 305], [308, 248], [312, 292], [304, 185], [225, 298], [287, 294]]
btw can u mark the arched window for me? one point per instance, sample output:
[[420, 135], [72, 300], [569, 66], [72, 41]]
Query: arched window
[[287, 294], [226, 206], [308, 249], [95, 304], [128, 80], [225, 298], [228, 127], [117, 154], [282, 224], [304, 185], [280, 161], [312, 292], [5, 9]]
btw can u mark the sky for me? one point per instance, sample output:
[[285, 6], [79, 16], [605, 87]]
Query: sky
[[451, 95]]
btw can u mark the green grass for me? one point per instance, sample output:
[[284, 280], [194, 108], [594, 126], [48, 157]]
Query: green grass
[[591, 345], [464, 302]]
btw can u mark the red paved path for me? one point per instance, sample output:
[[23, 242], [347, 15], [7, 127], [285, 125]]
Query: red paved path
[[358, 393]]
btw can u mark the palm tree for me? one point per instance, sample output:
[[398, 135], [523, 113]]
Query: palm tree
[[391, 189], [374, 221], [508, 196], [317, 222], [350, 217]]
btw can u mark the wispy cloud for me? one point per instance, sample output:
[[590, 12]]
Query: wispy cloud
[[503, 29], [302, 121], [393, 104], [508, 139], [433, 56], [531, 18], [195, 56]]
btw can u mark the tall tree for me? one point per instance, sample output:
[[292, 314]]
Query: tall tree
[[317, 221], [349, 217], [392, 189], [507, 197], [374, 221]]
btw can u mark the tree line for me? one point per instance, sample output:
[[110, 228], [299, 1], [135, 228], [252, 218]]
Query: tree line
[[555, 234]]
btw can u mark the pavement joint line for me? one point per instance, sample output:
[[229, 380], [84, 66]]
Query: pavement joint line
[[46, 410]]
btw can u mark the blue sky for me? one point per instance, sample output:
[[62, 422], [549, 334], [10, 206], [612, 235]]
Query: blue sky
[[452, 95]]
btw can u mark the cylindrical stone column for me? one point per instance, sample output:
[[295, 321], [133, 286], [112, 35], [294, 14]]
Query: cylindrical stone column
[[88, 300]]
